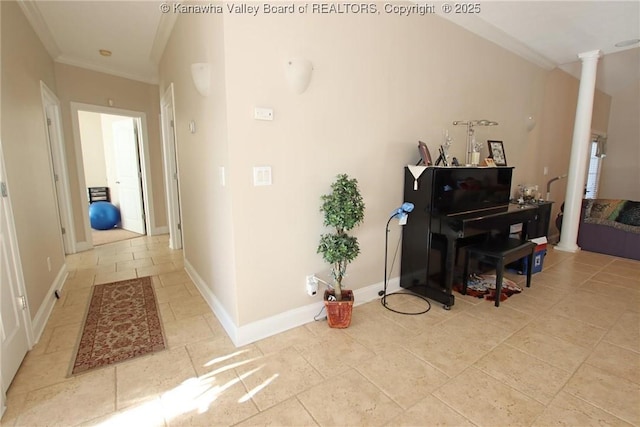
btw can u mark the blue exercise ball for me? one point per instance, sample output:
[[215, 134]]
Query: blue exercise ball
[[103, 215]]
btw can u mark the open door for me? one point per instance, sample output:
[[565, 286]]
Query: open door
[[128, 175], [13, 306], [171, 168]]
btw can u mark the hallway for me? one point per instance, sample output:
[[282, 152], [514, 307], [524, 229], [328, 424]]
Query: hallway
[[565, 351]]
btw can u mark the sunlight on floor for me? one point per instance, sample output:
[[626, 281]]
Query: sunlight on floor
[[195, 394], [257, 389]]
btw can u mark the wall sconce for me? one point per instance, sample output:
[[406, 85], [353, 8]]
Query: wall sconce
[[201, 75], [298, 74], [530, 122]]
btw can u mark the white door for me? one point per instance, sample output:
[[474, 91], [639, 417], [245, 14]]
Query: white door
[[129, 175], [51, 106], [171, 169], [13, 328]]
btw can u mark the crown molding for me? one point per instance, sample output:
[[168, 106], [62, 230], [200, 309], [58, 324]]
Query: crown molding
[[150, 79], [165, 27], [34, 16]]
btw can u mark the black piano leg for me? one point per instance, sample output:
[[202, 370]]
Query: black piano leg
[[499, 277], [450, 267]]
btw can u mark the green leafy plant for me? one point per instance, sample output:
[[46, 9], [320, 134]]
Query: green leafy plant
[[343, 209]]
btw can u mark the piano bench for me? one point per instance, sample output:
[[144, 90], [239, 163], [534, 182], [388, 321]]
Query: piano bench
[[499, 253]]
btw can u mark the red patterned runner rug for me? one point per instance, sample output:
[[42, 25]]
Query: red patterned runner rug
[[122, 323]]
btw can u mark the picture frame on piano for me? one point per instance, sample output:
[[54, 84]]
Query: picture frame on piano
[[425, 155], [496, 152]]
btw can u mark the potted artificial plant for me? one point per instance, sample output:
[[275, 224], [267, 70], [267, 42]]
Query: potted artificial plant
[[343, 209]]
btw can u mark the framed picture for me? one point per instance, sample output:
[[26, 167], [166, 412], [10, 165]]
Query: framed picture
[[443, 157], [496, 152], [425, 155], [489, 162]]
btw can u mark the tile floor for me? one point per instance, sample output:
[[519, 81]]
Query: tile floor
[[564, 352]]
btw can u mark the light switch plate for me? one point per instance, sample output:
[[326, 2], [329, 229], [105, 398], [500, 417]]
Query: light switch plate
[[261, 113], [261, 175]]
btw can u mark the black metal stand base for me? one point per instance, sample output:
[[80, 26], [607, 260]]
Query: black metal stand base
[[447, 300]]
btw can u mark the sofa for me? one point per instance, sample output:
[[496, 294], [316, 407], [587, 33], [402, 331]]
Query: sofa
[[610, 226]]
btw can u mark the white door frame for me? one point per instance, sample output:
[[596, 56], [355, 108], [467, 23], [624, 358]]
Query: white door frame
[[171, 172], [51, 111], [147, 190]]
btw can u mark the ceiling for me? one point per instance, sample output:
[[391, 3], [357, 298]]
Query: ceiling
[[548, 33]]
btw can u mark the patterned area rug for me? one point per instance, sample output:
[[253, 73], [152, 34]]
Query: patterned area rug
[[484, 286], [122, 323]]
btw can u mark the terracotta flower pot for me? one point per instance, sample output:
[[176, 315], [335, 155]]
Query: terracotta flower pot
[[339, 312]]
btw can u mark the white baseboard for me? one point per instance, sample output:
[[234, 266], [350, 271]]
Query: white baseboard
[[42, 316], [83, 246], [223, 317], [254, 331], [160, 230]]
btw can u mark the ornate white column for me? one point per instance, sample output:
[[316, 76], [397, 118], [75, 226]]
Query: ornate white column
[[579, 153]]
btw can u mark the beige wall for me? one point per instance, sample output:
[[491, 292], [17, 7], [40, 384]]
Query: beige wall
[[379, 85], [207, 221], [90, 87], [25, 63], [620, 176]]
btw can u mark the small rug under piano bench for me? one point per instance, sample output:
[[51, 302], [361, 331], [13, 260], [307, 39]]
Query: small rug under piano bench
[[484, 286]]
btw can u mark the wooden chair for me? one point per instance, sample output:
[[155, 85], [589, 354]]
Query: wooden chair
[[99, 194]]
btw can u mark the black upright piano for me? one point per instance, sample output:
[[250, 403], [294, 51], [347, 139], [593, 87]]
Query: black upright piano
[[454, 206]]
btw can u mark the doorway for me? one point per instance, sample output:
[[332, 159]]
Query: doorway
[[112, 155]]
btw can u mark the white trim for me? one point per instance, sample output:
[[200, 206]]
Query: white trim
[[160, 230], [144, 161], [170, 162], [254, 331], [223, 317], [43, 314], [58, 163], [167, 21], [83, 246], [150, 78]]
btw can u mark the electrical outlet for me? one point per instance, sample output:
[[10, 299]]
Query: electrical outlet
[[312, 285]]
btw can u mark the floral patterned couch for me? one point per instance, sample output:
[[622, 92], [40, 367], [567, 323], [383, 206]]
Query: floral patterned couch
[[610, 226]]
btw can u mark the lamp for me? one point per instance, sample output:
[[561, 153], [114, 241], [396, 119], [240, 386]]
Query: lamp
[[551, 181], [530, 123], [470, 134], [201, 75], [402, 213], [298, 74]]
